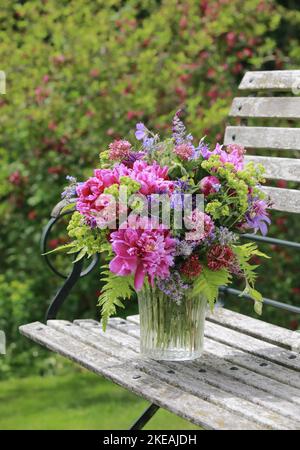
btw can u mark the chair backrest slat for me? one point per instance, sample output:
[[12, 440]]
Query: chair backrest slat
[[266, 107], [264, 137], [287, 169], [283, 139], [277, 80], [287, 200]]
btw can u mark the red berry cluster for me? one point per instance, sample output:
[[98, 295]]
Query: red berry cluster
[[191, 267]]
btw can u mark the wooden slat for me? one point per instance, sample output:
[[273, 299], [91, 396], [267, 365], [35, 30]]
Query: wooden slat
[[266, 107], [277, 80], [256, 328], [271, 138], [216, 363], [208, 385], [253, 346], [128, 375], [278, 168], [238, 357], [287, 200]]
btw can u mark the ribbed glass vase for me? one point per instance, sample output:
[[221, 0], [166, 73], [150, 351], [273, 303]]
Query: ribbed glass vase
[[171, 331]]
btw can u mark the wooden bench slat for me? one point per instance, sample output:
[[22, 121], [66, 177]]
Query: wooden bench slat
[[215, 364], [186, 405], [266, 107], [256, 328], [238, 357], [276, 80], [272, 138], [250, 402], [253, 346], [277, 168]]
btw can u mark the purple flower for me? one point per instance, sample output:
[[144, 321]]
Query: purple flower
[[70, 191], [141, 131], [257, 217], [173, 286], [148, 143], [202, 150], [132, 157], [233, 154]]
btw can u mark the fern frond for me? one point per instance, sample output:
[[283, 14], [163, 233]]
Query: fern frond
[[114, 289], [243, 254], [208, 283]]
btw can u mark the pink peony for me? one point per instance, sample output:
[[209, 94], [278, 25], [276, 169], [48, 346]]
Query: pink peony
[[147, 249], [153, 178], [119, 150], [233, 154], [201, 225], [210, 185], [89, 191], [184, 151]]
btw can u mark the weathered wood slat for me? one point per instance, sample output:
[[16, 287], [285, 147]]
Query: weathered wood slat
[[277, 168], [128, 375], [253, 346], [238, 357], [209, 385], [277, 80], [287, 200], [266, 107], [271, 138], [256, 328]]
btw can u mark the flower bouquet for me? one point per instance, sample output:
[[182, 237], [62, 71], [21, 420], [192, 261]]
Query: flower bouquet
[[166, 215]]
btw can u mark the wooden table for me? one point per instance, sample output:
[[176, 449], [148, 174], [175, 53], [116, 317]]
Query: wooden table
[[248, 377]]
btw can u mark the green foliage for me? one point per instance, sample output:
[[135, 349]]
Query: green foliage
[[115, 288], [243, 254], [208, 283]]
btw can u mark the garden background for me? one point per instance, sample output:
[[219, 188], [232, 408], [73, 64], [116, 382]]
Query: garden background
[[79, 74]]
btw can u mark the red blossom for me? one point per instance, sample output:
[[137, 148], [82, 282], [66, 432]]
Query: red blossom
[[94, 73], [191, 267], [55, 170], [32, 215], [15, 178], [219, 257]]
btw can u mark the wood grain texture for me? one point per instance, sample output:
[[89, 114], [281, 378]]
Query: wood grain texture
[[188, 406], [248, 402], [271, 138], [226, 382], [216, 397], [277, 168], [276, 80], [287, 200], [273, 334], [266, 107], [257, 364]]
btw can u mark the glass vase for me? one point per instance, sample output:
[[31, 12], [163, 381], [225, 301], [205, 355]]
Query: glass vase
[[170, 330]]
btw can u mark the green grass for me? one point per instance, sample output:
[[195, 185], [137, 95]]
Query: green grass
[[78, 401]]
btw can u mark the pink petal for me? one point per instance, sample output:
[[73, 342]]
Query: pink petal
[[120, 248], [139, 277]]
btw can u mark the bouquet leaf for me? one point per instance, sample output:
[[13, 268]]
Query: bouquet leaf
[[208, 282], [243, 254], [115, 288]]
